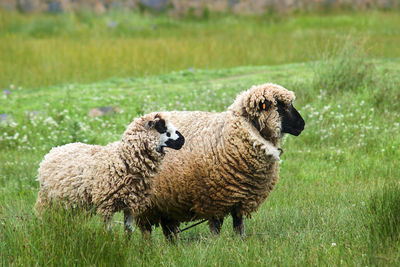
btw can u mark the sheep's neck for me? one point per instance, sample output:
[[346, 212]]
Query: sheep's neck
[[269, 136], [144, 162], [266, 133]]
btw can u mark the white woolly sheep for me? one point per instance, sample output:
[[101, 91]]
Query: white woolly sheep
[[111, 178], [229, 163]]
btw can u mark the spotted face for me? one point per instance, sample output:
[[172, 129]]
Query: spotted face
[[170, 136]]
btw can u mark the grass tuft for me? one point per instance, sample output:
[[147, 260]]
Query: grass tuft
[[384, 212], [386, 87], [383, 223], [345, 68]]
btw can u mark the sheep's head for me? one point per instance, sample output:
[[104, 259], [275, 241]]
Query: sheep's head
[[151, 133], [269, 107], [169, 135]]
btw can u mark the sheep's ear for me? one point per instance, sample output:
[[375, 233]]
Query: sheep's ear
[[160, 126], [150, 124], [264, 105]]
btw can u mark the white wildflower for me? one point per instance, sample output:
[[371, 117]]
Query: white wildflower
[[50, 121]]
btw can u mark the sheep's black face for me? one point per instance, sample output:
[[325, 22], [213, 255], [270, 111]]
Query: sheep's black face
[[170, 136], [291, 120]]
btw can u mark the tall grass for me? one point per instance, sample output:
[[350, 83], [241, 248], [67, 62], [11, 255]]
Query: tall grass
[[319, 213], [27, 235], [344, 68], [383, 221], [348, 68], [384, 212], [41, 50]]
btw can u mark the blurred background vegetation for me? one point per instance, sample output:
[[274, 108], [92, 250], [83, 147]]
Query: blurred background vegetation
[[47, 48]]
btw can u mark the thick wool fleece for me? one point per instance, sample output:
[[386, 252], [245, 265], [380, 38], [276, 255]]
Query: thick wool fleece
[[85, 175], [226, 164]]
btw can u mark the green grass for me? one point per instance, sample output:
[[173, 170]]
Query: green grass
[[337, 200], [41, 50], [346, 69], [330, 207], [384, 213]]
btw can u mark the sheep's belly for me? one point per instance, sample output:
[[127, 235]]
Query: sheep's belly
[[244, 198]]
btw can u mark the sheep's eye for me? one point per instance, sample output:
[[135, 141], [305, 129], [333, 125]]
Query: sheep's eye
[[168, 134], [265, 105]]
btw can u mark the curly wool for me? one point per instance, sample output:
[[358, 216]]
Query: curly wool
[[117, 176], [226, 165]]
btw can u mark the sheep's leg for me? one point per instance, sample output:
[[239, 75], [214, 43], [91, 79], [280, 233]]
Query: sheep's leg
[[128, 220], [238, 224], [41, 203], [144, 227], [215, 225], [39, 207], [108, 222], [170, 228], [146, 231]]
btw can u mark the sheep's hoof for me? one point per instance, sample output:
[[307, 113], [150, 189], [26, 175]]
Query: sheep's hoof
[[215, 226]]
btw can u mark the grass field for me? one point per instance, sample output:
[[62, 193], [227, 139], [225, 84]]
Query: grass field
[[337, 200], [39, 50]]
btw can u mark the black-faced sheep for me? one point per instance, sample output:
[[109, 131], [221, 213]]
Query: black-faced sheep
[[112, 178], [229, 163]]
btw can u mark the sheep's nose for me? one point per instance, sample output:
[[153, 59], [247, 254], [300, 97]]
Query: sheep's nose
[[177, 143], [180, 141]]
